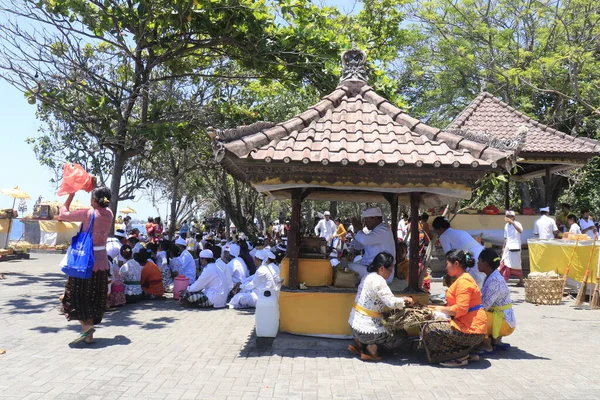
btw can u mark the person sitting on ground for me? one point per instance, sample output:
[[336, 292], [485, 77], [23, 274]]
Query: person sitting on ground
[[151, 278], [117, 288], [131, 273], [237, 266], [366, 319], [496, 302], [454, 239], [209, 290], [187, 265], [245, 255], [113, 246], [402, 262], [573, 226], [450, 342], [379, 239], [265, 278]]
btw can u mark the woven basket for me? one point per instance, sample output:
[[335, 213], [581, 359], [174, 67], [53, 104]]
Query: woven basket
[[547, 291]]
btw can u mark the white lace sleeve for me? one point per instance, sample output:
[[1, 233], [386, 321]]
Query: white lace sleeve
[[386, 296], [492, 290]]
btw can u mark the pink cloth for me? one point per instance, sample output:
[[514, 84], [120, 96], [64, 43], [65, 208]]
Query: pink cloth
[[102, 224], [508, 272]]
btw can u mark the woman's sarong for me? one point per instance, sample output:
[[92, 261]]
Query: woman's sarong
[[384, 341], [444, 343], [85, 299]]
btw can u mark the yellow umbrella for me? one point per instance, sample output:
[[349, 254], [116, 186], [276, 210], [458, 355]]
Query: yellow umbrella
[[15, 193], [127, 210]]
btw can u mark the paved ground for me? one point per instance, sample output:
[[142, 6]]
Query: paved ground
[[161, 351]]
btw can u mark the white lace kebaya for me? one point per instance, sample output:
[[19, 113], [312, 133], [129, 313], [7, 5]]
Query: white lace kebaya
[[495, 293], [374, 294]]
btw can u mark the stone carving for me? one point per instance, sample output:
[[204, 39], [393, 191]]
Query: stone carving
[[354, 65], [514, 144]]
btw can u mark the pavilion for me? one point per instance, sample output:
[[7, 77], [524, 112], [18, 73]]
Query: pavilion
[[357, 146]]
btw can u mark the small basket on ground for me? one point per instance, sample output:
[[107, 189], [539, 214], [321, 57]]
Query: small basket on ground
[[546, 291]]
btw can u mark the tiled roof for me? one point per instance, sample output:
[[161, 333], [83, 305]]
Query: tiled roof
[[487, 114], [354, 125]]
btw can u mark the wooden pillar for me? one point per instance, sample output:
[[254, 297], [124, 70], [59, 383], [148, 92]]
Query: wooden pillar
[[548, 192], [507, 193], [413, 266], [293, 249], [394, 207]]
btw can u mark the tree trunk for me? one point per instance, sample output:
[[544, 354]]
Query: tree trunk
[[175, 194], [115, 183], [333, 209], [525, 195]]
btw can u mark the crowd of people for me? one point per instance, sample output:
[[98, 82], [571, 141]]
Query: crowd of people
[[220, 271]]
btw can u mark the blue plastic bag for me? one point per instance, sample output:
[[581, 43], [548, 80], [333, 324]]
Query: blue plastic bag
[[80, 256]]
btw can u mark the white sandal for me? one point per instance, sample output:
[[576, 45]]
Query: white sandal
[[454, 363]]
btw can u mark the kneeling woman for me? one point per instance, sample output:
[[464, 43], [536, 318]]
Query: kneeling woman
[[496, 302], [210, 289], [373, 296], [450, 342]]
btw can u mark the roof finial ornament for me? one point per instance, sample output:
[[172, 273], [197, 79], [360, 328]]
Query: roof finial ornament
[[483, 85], [354, 65]]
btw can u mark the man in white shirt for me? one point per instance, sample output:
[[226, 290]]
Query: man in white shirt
[[403, 228], [572, 225], [511, 250], [545, 227], [113, 246], [186, 261], [587, 225], [453, 239], [378, 239], [209, 290], [325, 228], [236, 265]]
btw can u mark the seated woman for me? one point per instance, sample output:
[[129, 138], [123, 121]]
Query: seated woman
[[496, 302], [151, 278], [366, 317], [131, 273], [450, 342], [210, 289], [265, 278]]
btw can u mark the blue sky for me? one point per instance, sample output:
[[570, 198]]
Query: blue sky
[[19, 164]]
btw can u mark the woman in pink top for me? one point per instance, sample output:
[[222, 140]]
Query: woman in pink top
[[85, 299]]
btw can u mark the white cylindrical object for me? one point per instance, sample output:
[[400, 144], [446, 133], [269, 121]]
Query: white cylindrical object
[[267, 314]]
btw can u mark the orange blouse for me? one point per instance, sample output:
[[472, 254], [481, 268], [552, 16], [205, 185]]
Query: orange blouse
[[461, 296], [151, 280]]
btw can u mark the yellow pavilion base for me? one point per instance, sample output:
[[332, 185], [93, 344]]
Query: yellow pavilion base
[[310, 272], [322, 312]]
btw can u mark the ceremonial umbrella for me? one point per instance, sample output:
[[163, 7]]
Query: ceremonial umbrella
[[76, 205], [15, 193], [127, 210]]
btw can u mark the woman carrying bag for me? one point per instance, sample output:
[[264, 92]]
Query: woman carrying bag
[[85, 298]]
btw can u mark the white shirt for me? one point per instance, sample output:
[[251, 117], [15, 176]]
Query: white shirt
[[402, 229], [212, 282], [586, 224], [227, 272], [453, 239], [325, 229], [265, 278], [131, 271], [238, 269], [512, 236], [187, 265], [373, 294], [544, 227], [378, 240], [575, 229]]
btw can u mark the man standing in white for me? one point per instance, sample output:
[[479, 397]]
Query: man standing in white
[[587, 225], [379, 239], [512, 246], [545, 227], [325, 228], [454, 239]]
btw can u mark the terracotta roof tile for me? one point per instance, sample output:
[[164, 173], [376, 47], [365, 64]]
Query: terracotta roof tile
[[359, 126], [487, 114]]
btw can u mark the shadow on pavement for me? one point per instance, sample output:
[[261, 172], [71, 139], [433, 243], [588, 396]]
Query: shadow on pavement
[[101, 343], [514, 353], [51, 279]]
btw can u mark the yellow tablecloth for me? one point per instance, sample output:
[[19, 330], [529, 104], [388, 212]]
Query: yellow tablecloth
[[58, 226], [311, 272], [554, 255]]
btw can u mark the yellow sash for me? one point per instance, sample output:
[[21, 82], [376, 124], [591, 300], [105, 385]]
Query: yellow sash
[[498, 317], [367, 312]]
